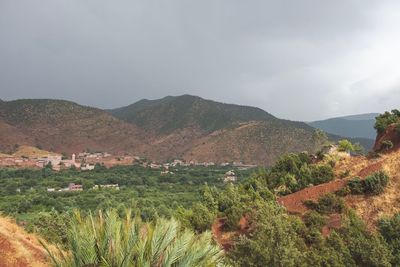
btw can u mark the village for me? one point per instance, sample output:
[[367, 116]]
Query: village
[[31, 157]]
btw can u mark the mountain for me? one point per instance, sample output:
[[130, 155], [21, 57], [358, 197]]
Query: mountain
[[194, 128], [354, 126], [64, 126], [170, 113], [187, 127]]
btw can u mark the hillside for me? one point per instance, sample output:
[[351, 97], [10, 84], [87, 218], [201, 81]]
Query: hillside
[[349, 126], [63, 126], [18, 248], [170, 113], [186, 127], [193, 128], [370, 208]]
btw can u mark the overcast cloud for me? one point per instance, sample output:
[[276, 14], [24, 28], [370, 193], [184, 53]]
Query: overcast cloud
[[301, 60]]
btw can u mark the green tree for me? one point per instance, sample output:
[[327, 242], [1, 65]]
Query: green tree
[[386, 119], [274, 241], [390, 230]]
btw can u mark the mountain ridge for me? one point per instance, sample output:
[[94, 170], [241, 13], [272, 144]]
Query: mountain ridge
[[187, 127], [353, 126]]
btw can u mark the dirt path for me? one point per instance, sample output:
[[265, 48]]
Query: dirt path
[[294, 202], [18, 248]]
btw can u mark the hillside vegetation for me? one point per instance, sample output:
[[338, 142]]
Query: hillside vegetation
[[63, 126], [193, 128], [185, 127], [165, 115]]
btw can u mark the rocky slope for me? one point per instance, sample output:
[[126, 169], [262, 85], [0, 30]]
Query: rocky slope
[[185, 127], [193, 128], [63, 126]]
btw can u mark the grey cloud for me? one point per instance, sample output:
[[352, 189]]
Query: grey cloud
[[296, 59]]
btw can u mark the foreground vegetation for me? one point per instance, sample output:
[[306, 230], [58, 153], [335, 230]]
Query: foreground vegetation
[[173, 214], [108, 240], [24, 195]]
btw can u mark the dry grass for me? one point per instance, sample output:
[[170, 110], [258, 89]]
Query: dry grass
[[32, 152], [18, 248], [372, 208]]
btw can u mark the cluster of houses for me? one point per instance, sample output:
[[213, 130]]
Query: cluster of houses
[[230, 177], [72, 187], [84, 161], [182, 163]]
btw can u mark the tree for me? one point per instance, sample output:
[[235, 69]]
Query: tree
[[107, 240], [375, 183], [386, 119], [390, 230], [345, 145], [274, 241]]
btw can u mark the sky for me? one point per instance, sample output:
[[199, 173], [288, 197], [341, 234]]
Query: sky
[[299, 60]]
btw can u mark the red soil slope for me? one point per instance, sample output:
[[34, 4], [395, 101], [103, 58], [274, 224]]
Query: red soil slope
[[389, 134], [294, 202], [18, 248]]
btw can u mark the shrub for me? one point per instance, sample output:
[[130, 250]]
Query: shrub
[[390, 230], [330, 203], [387, 145], [201, 218], [375, 183], [356, 186], [345, 145], [344, 191], [322, 173], [314, 220], [344, 174]]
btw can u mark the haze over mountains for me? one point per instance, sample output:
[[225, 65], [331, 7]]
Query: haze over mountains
[[355, 126], [186, 127]]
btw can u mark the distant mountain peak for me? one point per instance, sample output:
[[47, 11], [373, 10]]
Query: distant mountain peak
[[175, 112], [353, 126]]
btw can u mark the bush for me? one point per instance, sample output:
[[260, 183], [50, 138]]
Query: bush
[[376, 183], [330, 203], [321, 173], [201, 218], [314, 220], [390, 230], [345, 145], [356, 186], [344, 191], [387, 145]]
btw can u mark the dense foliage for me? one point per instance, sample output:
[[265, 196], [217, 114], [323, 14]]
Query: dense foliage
[[24, 193], [262, 232], [373, 184], [386, 119], [108, 240], [390, 230], [293, 172]]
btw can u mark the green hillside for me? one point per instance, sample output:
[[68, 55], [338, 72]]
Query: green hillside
[[170, 113]]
